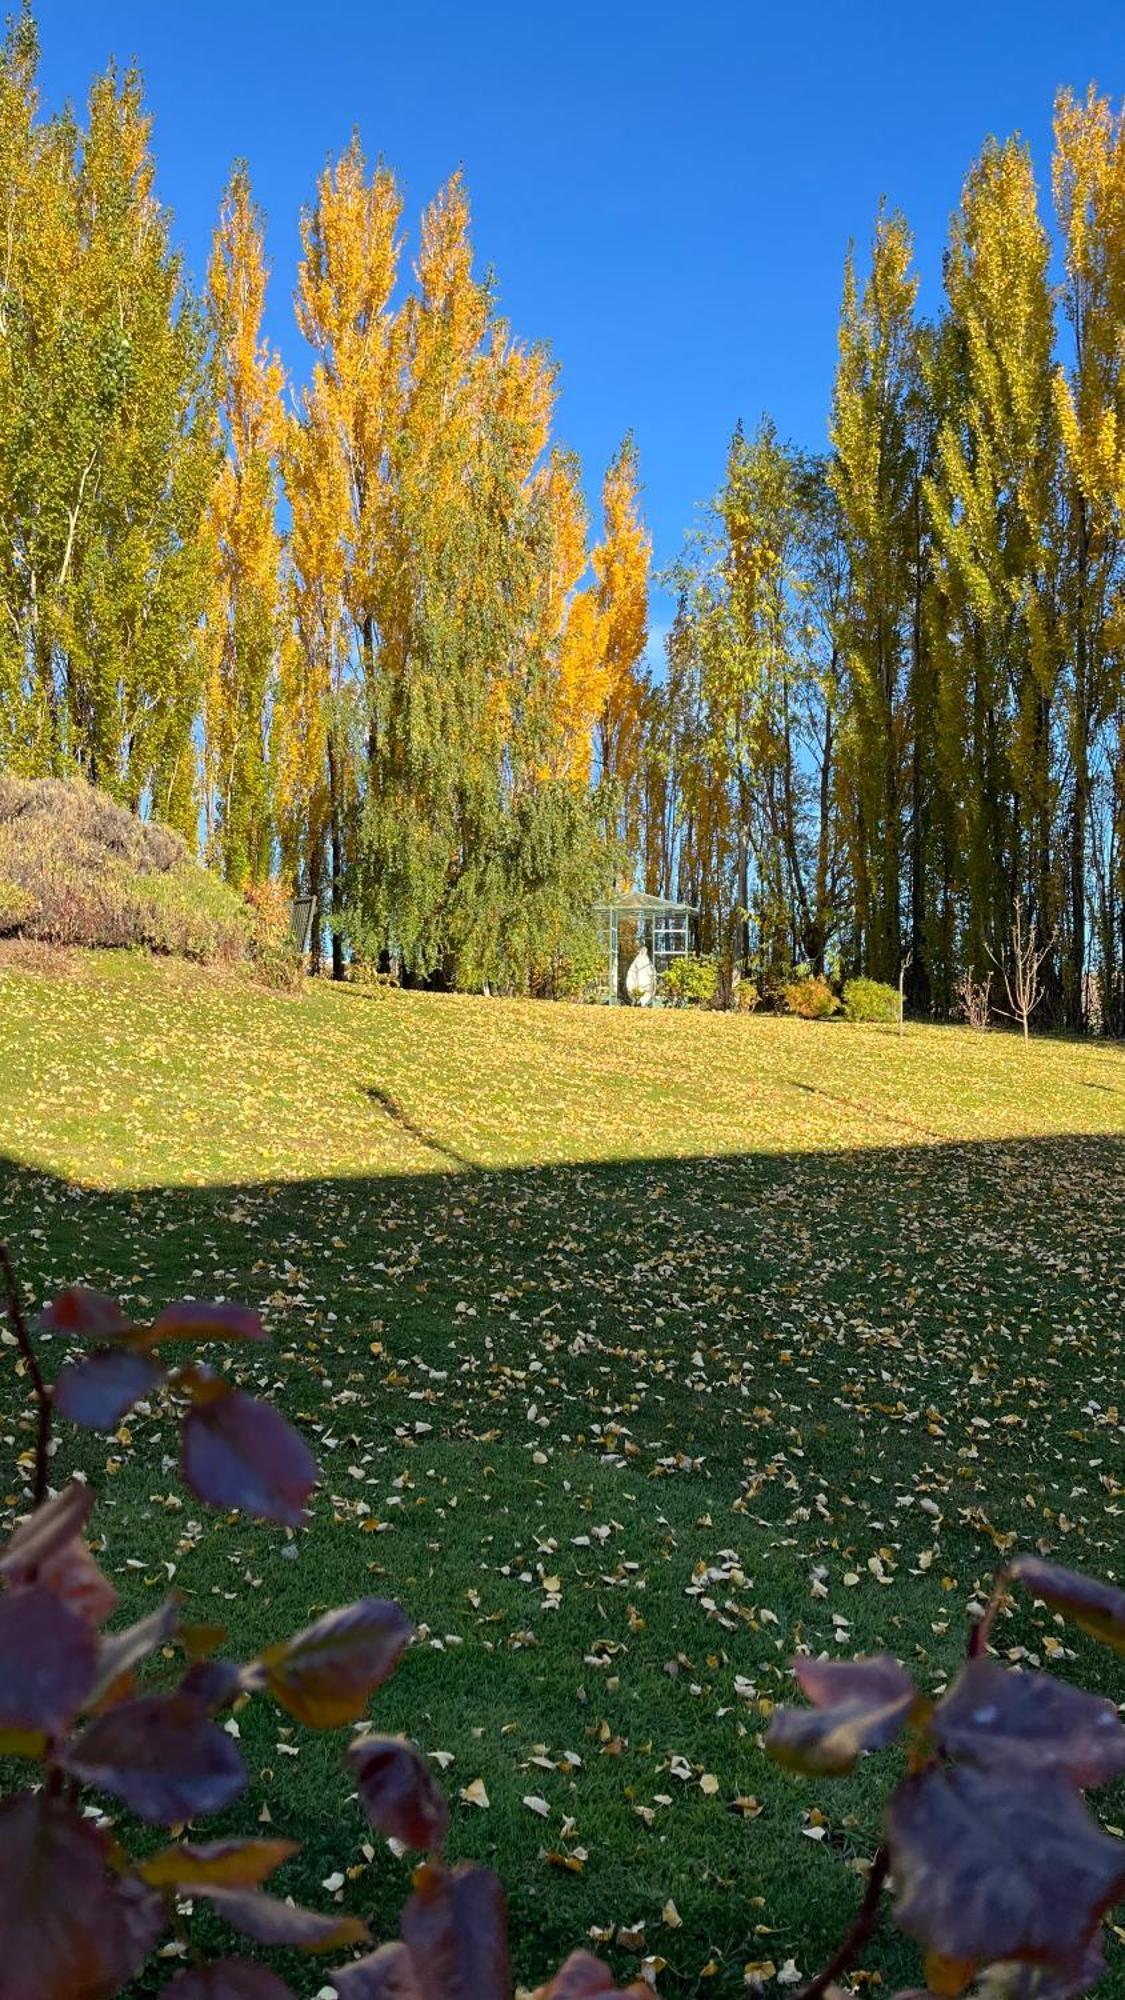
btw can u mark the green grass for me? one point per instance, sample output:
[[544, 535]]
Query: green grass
[[691, 1313]]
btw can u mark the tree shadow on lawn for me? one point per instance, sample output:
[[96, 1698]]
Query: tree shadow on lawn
[[732, 1405]]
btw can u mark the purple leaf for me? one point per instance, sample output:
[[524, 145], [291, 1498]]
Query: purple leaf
[[455, 1928], [163, 1756], [67, 1928], [386, 1974], [47, 1661], [325, 1675], [996, 1716], [72, 1574], [46, 1531], [860, 1705], [122, 1651], [84, 1315], [1099, 1608], [584, 1977], [237, 1452], [270, 1921], [988, 1869], [196, 1319], [228, 1979], [213, 1682], [399, 1793], [96, 1391]]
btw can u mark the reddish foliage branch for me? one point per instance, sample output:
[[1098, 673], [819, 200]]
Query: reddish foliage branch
[[859, 1936], [42, 1394]]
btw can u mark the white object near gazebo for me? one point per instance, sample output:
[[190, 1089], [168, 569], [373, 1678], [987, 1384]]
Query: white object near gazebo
[[663, 927], [640, 980]]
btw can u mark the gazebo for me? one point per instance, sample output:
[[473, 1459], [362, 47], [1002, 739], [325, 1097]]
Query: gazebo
[[659, 922]]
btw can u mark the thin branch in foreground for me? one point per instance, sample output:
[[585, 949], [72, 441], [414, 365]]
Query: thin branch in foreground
[[42, 1394], [859, 1936]]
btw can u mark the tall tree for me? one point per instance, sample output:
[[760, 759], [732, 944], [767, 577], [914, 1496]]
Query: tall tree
[[106, 450], [1089, 188], [874, 473], [249, 623], [992, 502], [336, 468]]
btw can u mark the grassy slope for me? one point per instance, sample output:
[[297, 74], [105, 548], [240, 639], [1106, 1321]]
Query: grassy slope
[[688, 1313]]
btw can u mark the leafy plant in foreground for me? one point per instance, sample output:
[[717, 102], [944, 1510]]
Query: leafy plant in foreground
[[998, 1868], [994, 1859]]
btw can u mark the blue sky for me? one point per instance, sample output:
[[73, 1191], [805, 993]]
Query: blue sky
[[666, 193]]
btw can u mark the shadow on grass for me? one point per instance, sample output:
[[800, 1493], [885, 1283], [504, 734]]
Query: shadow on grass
[[654, 1380]]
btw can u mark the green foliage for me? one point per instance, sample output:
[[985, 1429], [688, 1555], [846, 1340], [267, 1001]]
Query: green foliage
[[870, 1000], [811, 997], [106, 453], [690, 981]]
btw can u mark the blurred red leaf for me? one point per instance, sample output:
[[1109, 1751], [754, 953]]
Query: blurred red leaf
[[398, 1791], [237, 1452], [45, 1532], [122, 1651], [72, 1574], [213, 1682], [386, 1974], [47, 1661], [228, 1979], [326, 1674], [989, 1869], [859, 1705], [995, 1716], [584, 1977], [162, 1755], [455, 1928], [96, 1391], [84, 1315], [229, 1864], [1099, 1608], [197, 1319], [68, 1929], [270, 1921]]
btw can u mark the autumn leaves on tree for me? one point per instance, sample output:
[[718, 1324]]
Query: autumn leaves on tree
[[353, 628], [895, 694], [354, 631]]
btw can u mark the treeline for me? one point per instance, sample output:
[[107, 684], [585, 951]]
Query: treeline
[[354, 632], [895, 696], [352, 627]]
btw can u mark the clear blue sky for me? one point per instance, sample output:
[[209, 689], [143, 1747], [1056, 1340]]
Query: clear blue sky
[[666, 193]]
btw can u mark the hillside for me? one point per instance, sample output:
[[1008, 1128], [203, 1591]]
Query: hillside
[[638, 1350]]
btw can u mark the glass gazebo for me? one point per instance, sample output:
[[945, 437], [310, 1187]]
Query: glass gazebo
[[658, 922]]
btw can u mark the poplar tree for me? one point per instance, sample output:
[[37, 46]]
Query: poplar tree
[[1089, 189], [874, 474], [992, 503], [248, 625]]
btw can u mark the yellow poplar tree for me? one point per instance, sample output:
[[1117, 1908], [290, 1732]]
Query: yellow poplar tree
[[622, 561], [1089, 189], [249, 618]]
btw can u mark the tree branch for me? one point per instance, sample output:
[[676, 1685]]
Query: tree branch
[[860, 1933], [42, 1394]]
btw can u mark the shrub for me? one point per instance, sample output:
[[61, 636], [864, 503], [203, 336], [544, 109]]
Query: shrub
[[190, 914], [78, 870], [999, 1871], [690, 981], [811, 997], [870, 1000], [746, 996]]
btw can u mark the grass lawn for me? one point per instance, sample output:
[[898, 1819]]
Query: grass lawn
[[637, 1351]]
